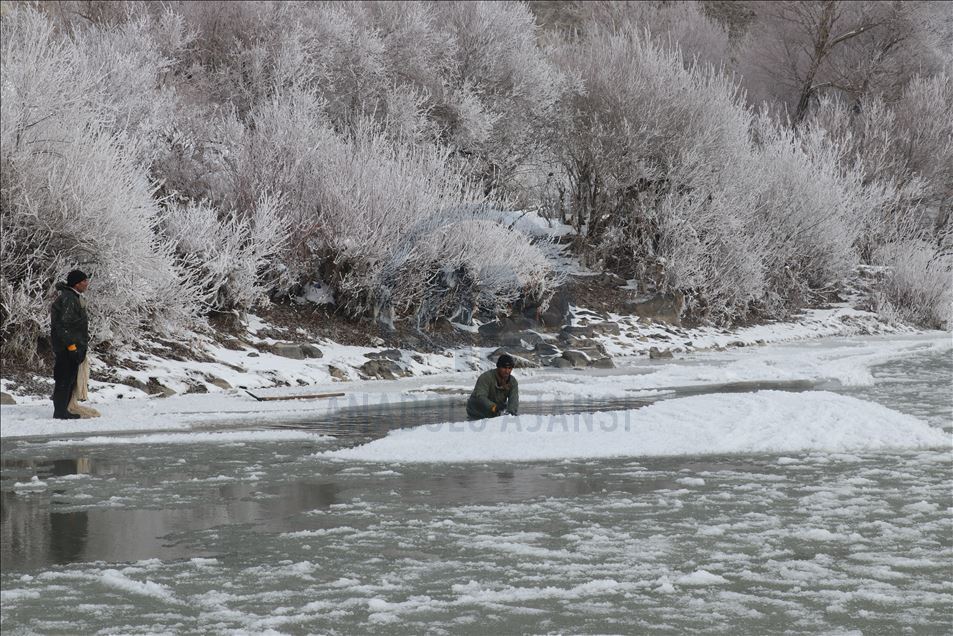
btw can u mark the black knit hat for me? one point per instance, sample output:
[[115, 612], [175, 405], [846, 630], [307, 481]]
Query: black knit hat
[[74, 277], [505, 361]]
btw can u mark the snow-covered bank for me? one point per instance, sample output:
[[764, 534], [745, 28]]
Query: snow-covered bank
[[253, 363], [846, 361], [717, 424]]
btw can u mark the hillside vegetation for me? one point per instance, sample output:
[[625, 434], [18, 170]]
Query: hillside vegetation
[[208, 157]]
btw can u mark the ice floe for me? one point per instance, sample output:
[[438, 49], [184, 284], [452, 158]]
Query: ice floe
[[721, 423]]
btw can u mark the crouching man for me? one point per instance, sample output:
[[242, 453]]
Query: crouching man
[[496, 392]]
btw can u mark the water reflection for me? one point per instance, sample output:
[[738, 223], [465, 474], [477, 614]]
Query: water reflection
[[166, 497], [68, 534]]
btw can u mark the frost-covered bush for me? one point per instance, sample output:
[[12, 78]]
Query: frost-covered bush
[[919, 283], [671, 177], [468, 74], [130, 67], [639, 111], [282, 150], [384, 205], [363, 205], [228, 256], [504, 89], [645, 129], [709, 245], [74, 195], [683, 26], [814, 206], [777, 225], [904, 153], [905, 148], [477, 263]]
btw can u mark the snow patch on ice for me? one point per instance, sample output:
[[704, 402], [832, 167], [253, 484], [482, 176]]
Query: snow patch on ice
[[34, 485], [690, 481], [701, 578], [118, 580], [721, 423]]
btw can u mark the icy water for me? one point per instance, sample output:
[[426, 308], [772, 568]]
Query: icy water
[[254, 536]]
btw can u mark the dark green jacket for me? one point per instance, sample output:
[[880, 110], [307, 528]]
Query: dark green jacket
[[487, 392], [69, 323]]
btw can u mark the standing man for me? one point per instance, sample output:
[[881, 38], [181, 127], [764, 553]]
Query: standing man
[[496, 392], [69, 332]]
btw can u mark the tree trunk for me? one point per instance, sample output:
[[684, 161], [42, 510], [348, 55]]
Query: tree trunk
[[821, 49]]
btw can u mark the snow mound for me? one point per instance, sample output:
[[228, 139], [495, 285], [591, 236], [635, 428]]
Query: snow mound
[[722, 423]]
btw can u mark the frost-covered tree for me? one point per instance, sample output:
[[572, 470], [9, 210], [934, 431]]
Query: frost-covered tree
[[469, 75], [685, 26], [74, 194], [797, 51]]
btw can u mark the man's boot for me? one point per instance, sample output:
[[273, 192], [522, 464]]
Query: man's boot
[[61, 404]]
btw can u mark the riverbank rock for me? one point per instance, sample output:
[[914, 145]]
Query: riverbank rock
[[310, 351], [290, 350], [665, 308], [525, 339], [557, 313], [387, 354], [154, 387], [384, 369], [6, 398], [659, 354], [521, 361], [546, 349], [337, 374], [220, 383], [576, 358]]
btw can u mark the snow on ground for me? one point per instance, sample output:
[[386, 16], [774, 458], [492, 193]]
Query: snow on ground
[[251, 368], [716, 424], [846, 361]]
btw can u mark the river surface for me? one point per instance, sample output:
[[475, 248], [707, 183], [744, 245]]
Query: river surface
[[267, 535]]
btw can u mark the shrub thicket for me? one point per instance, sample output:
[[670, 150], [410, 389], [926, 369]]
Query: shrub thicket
[[201, 156]]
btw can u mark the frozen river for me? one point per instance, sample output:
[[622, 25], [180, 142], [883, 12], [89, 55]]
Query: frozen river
[[247, 531]]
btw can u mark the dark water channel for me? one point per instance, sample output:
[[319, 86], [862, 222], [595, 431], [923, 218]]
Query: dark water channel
[[153, 491]]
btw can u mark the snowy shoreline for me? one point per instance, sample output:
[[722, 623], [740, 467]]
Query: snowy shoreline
[[788, 352]]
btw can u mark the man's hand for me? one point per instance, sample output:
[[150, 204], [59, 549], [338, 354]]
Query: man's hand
[[76, 354]]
